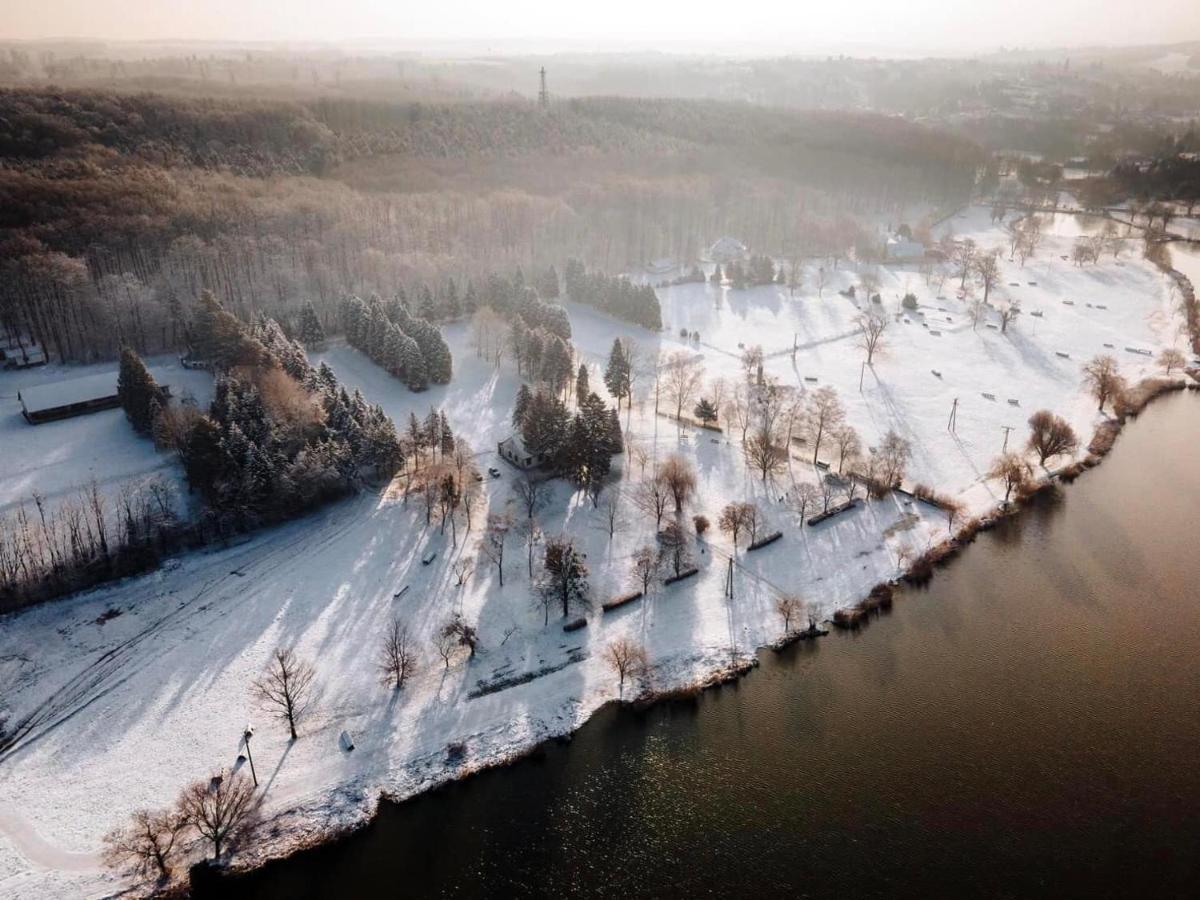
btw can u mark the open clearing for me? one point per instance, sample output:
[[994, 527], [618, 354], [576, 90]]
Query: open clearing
[[121, 714]]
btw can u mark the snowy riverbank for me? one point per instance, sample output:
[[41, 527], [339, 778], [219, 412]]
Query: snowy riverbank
[[126, 709]]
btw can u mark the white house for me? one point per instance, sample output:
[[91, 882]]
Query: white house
[[513, 450]]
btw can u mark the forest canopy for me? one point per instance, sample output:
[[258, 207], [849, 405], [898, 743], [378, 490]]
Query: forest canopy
[[116, 210]]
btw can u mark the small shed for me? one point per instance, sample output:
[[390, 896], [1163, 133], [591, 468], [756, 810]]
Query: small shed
[[73, 397], [513, 450]]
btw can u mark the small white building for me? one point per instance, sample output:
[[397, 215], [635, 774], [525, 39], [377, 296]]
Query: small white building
[[727, 250], [901, 248], [513, 450]]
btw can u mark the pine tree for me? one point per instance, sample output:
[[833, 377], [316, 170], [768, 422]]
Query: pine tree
[[556, 364], [581, 384], [416, 376], [545, 426], [705, 411], [137, 390], [311, 331], [617, 373], [447, 437], [616, 438], [204, 459], [521, 407]]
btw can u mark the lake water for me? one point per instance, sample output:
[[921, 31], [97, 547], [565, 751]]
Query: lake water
[[1029, 725]]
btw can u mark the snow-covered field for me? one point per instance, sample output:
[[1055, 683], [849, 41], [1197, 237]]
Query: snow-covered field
[[126, 712], [57, 459]]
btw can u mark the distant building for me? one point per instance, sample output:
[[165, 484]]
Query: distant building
[[900, 248], [513, 450], [727, 250], [74, 397]]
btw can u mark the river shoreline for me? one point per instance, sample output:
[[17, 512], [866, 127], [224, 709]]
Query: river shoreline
[[206, 878]]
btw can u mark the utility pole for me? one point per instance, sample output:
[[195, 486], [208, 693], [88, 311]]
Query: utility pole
[[543, 94], [249, 733], [950, 426], [862, 374], [729, 580], [1007, 429]]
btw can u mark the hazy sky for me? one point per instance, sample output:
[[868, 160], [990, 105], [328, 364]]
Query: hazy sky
[[675, 24]]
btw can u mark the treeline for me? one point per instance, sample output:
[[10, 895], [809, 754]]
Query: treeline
[[51, 549], [280, 436], [116, 211], [408, 347], [619, 297]]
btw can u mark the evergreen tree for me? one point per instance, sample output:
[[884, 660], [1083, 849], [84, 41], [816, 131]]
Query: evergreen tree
[[616, 438], [312, 333], [470, 302], [416, 376], [204, 458], [521, 407], [544, 428], [705, 411], [556, 364], [617, 374], [581, 383], [137, 390]]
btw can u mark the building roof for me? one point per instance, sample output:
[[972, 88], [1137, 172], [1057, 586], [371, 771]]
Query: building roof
[[727, 247], [54, 394]]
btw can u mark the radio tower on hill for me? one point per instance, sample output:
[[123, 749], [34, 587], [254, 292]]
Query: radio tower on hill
[[543, 94]]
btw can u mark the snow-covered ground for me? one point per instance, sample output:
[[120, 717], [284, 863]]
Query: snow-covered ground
[[57, 459], [124, 713]]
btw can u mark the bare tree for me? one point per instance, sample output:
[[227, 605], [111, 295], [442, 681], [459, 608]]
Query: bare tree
[[495, 540], [849, 447], [674, 544], [531, 494], [754, 521], [654, 496], [645, 566], [869, 282], [681, 375], [1171, 359], [788, 608], [807, 495], [1012, 470], [823, 414], [1050, 435], [1102, 378], [398, 655], [752, 363], [148, 844], [286, 687], [445, 644], [963, 256], [641, 456], [821, 280], [764, 453], [220, 809], [894, 454], [738, 410], [871, 326], [464, 634], [733, 520], [679, 477], [530, 535], [612, 511], [1009, 309], [627, 659], [987, 270]]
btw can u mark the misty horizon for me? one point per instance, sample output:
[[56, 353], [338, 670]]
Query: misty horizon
[[922, 28]]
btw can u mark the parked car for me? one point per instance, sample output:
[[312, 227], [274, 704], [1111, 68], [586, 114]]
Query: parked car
[[429, 557], [493, 471]]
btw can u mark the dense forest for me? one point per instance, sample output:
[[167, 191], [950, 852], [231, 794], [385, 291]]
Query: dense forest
[[117, 210]]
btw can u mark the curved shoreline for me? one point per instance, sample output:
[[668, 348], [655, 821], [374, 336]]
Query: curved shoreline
[[261, 856]]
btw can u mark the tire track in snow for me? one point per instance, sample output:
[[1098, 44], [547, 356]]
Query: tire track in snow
[[98, 678]]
